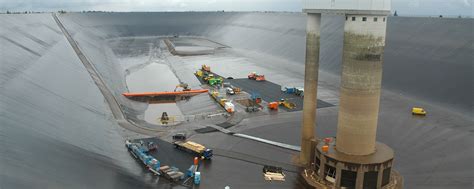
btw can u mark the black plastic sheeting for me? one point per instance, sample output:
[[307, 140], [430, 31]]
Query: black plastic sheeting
[[426, 58], [57, 132]]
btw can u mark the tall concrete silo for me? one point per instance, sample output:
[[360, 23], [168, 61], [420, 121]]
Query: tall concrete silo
[[353, 159]]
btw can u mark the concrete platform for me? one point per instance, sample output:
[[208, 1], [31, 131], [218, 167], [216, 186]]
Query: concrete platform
[[271, 92], [243, 166]]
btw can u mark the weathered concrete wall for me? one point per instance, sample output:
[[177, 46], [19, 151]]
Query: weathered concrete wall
[[361, 82], [313, 32]]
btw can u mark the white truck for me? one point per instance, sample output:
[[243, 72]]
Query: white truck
[[229, 107], [230, 91]]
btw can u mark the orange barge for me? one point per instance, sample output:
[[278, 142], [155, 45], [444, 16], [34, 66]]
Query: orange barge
[[166, 93]]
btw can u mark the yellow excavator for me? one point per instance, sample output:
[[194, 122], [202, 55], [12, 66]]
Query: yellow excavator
[[287, 104], [185, 87]]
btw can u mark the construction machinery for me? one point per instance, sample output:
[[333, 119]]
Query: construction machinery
[[287, 104], [213, 81], [206, 68], [164, 118], [199, 73], [299, 91], [418, 111], [195, 148], [179, 136], [256, 77], [151, 146], [256, 98], [289, 90], [140, 153], [260, 78], [273, 105], [207, 76], [222, 101], [230, 91], [228, 106], [237, 90], [229, 87], [185, 87]]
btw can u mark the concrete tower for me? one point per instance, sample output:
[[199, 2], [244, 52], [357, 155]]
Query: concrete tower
[[354, 159], [361, 80], [310, 86]]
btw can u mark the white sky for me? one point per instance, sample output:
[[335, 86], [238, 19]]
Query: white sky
[[404, 7]]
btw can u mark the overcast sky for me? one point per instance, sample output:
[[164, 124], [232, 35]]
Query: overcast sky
[[404, 7]]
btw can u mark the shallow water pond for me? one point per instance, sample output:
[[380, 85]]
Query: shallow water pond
[[152, 78]]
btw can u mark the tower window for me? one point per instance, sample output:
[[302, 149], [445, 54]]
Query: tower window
[[384, 19], [346, 18], [348, 179], [370, 179], [386, 176], [330, 171], [316, 164], [364, 19], [375, 19], [353, 18]]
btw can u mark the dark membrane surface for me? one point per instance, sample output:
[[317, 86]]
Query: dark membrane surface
[[57, 131]]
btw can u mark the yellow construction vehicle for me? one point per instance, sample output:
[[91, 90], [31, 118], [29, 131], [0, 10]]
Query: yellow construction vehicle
[[208, 77], [164, 118], [222, 101], [256, 77], [286, 104], [199, 73], [418, 111], [236, 90], [214, 94], [185, 87], [205, 67]]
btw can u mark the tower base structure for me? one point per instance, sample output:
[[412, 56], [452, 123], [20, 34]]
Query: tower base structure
[[333, 169]]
